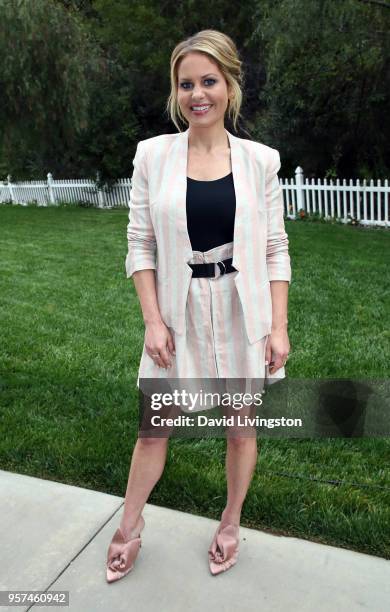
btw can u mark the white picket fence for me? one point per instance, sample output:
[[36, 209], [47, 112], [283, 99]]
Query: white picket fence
[[366, 203], [52, 192]]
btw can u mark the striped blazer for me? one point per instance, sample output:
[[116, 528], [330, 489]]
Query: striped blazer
[[158, 237]]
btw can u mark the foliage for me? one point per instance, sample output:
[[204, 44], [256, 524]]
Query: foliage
[[327, 85], [84, 80], [44, 83]]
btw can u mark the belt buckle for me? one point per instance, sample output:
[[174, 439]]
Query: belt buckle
[[221, 269]]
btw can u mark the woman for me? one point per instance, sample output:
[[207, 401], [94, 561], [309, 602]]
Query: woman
[[214, 301]]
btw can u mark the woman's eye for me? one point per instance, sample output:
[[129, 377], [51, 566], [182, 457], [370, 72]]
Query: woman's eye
[[187, 83]]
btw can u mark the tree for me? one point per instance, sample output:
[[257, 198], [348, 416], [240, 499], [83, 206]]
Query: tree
[[327, 85], [47, 61]]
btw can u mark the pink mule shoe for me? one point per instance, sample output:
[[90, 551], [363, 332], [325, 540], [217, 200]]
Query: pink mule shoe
[[223, 551], [122, 554]]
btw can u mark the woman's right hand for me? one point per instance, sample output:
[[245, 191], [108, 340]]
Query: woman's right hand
[[159, 341]]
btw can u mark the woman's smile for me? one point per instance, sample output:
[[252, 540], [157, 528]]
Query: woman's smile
[[201, 109]]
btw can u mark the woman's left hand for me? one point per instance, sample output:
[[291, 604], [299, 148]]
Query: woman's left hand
[[277, 349]]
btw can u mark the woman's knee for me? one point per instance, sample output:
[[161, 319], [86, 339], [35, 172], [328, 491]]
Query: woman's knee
[[152, 442], [239, 438]]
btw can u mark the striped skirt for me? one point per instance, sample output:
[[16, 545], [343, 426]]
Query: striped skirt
[[215, 344]]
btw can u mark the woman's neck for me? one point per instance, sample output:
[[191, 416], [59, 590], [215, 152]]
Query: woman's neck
[[204, 140]]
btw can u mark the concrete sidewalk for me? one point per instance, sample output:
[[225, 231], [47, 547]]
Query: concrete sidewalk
[[56, 536]]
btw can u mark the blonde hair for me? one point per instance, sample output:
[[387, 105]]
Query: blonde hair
[[222, 51]]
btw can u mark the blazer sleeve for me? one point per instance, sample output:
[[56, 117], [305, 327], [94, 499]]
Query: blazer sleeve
[[278, 258], [141, 238]]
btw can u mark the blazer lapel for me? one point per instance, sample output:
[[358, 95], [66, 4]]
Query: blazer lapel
[[249, 237], [240, 186]]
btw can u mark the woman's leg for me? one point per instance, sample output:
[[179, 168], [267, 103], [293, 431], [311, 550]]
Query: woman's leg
[[241, 457], [147, 463], [147, 466]]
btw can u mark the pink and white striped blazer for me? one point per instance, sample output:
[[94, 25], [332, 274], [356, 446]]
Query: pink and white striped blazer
[[157, 230]]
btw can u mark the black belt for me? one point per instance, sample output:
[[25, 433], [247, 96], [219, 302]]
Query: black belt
[[207, 270]]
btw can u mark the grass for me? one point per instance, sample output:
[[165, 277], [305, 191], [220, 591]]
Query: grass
[[72, 336]]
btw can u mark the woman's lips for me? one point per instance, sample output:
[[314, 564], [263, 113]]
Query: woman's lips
[[202, 112]]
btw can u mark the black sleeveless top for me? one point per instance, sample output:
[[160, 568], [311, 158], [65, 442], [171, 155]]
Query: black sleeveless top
[[211, 209]]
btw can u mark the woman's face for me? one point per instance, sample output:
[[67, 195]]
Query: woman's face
[[200, 83]]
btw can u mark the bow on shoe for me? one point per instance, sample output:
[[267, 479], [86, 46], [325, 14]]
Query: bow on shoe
[[223, 552], [121, 556]]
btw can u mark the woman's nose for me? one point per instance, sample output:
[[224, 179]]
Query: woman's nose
[[197, 93]]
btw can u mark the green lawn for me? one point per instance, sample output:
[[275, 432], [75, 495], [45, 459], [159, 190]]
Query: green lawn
[[71, 339]]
